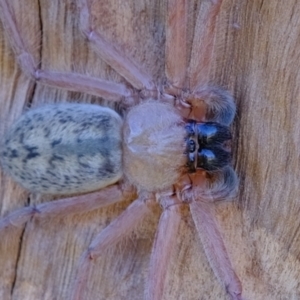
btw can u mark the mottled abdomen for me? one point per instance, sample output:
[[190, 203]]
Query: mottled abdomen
[[154, 146], [64, 149]]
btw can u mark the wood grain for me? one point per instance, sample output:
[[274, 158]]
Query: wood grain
[[257, 56]]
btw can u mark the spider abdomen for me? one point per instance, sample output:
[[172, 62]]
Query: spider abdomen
[[154, 145], [64, 149]]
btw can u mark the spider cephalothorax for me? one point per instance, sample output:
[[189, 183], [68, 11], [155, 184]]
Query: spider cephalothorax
[[172, 147]]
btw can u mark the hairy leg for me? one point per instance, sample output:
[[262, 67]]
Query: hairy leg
[[161, 252], [72, 205], [203, 42], [69, 81], [203, 216], [204, 102], [176, 42], [125, 66], [176, 53], [113, 233]]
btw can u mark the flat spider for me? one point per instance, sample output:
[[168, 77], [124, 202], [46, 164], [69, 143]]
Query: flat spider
[[170, 147]]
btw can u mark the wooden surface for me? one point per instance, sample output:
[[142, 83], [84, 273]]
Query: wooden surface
[[257, 58]]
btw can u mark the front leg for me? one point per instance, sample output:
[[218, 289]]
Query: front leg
[[214, 247], [201, 190], [204, 102], [203, 44], [176, 44]]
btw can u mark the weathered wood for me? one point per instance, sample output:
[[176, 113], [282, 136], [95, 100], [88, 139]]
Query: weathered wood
[[257, 57]]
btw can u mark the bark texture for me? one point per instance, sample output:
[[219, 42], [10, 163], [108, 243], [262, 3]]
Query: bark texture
[[257, 58]]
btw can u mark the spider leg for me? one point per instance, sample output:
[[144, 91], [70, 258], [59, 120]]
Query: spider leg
[[72, 205], [205, 102], [203, 43], [69, 81], [176, 53], [164, 242], [215, 250], [113, 233], [176, 42], [125, 66]]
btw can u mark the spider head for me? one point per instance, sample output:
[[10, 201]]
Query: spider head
[[205, 146]]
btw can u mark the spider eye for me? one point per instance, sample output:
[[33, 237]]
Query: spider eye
[[211, 159], [191, 146], [212, 133]]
